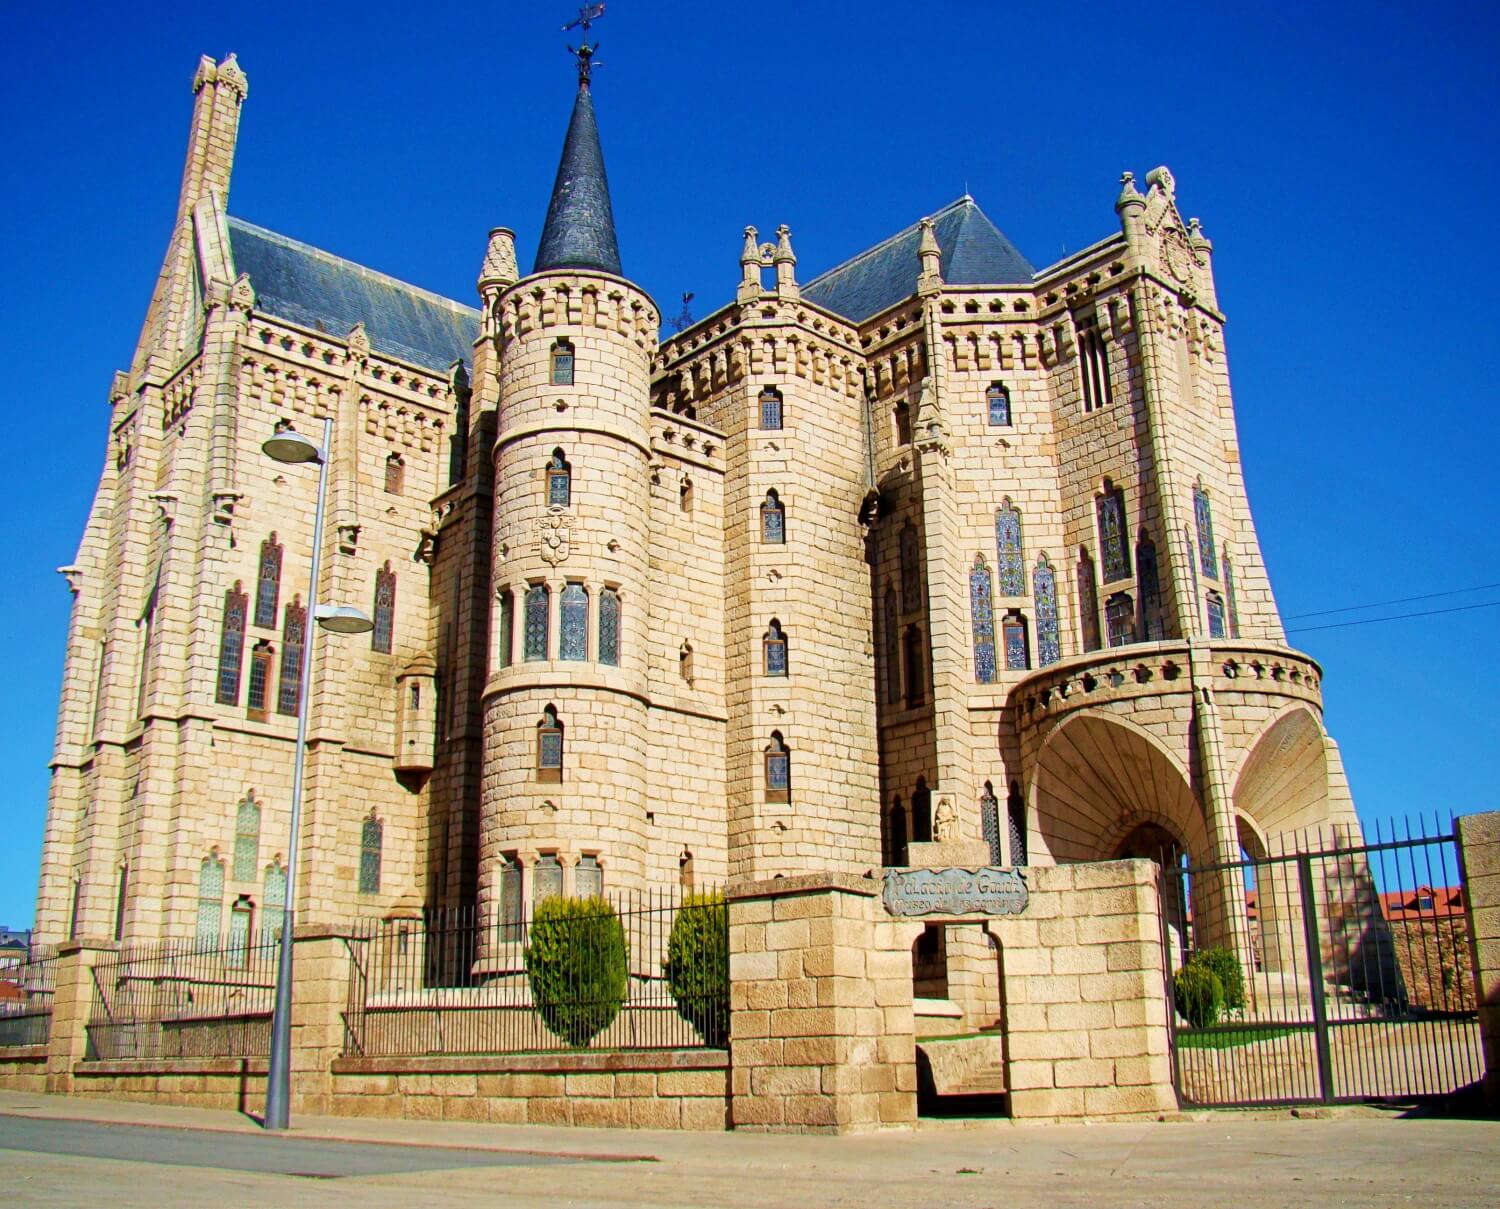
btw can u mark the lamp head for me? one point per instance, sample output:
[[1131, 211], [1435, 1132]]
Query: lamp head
[[292, 448], [342, 619]]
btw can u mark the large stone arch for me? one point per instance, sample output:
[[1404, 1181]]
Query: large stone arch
[[1282, 782]]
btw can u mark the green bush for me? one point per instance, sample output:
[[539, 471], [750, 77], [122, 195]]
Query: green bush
[[1198, 994], [1226, 967], [697, 965], [576, 962]]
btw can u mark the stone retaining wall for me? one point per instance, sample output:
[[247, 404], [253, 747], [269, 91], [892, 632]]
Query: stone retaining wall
[[23, 1067]]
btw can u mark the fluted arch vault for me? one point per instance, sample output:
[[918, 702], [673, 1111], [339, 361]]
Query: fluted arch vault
[[1283, 783]]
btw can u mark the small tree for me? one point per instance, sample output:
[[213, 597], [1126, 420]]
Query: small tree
[[1198, 995], [1226, 968], [697, 965], [576, 960]]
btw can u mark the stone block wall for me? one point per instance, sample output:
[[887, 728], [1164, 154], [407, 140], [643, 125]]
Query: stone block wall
[[1479, 854]]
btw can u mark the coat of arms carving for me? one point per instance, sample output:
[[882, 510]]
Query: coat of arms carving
[[553, 533]]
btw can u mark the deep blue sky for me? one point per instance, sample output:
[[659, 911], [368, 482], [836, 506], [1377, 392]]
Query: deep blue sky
[[1341, 157]]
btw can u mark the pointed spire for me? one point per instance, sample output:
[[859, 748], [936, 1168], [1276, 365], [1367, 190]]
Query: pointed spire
[[580, 229]]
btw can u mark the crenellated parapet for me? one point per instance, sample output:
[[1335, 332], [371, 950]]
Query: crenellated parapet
[[574, 298]]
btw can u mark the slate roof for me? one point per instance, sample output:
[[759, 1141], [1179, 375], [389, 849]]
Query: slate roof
[[314, 289], [580, 228], [974, 253]]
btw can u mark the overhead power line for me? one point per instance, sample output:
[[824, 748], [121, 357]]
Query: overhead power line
[[1379, 604], [1339, 625]]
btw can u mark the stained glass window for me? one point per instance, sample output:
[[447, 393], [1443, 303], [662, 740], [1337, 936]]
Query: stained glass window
[[772, 520], [240, 916], [511, 898], [559, 481], [1119, 619], [989, 823], [1229, 601], [1149, 582], [892, 648], [293, 638], [506, 645], [1088, 602], [546, 878], [609, 627], [385, 610], [260, 681], [1017, 653], [268, 583], [1008, 556], [232, 645], [1015, 811], [1113, 541], [770, 408], [1203, 514], [998, 399], [274, 897], [778, 769], [588, 878], [1215, 615], [538, 607], [911, 569], [371, 838], [1044, 592], [562, 363], [395, 474], [549, 746], [912, 644], [210, 901], [773, 649], [982, 614], [246, 839], [573, 642]]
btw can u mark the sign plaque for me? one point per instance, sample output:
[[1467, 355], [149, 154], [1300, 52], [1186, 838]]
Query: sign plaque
[[987, 891]]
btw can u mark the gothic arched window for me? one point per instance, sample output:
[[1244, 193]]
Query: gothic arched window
[[241, 919], [559, 481], [573, 640], [911, 569], [772, 519], [1119, 619], [384, 632], [982, 615], [268, 583], [770, 408], [538, 609], [512, 898], [549, 746], [232, 645], [1088, 602], [246, 839], [1093, 368], [778, 769], [609, 627], [546, 878], [921, 813], [989, 823], [997, 402], [892, 623], [912, 657], [1015, 813], [1044, 593], [1017, 644], [1229, 601], [293, 641], [395, 474], [562, 363], [273, 896], [505, 644], [259, 687], [1008, 555], [773, 650], [1215, 615], [1204, 516], [1113, 540], [1148, 580], [210, 901], [371, 841]]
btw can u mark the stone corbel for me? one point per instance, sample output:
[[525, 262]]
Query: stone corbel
[[1045, 350], [74, 575], [223, 506], [166, 504], [348, 538], [427, 546]]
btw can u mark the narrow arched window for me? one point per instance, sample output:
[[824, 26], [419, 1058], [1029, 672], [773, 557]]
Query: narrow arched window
[[609, 627], [395, 474], [559, 480], [383, 635], [147, 627], [895, 833], [911, 568], [1148, 581], [210, 902], [1229, 601], [892, 622], [260, 681], [1017, 644], [293, 643], [1215, 615], [549, 746], [685, 870], [122, 896], [588, 877], [512, 898], [901, 422], [1204, 516], [562, 363], [268, 583], [241, 918], [772, 519], [246, 839], [778, 769], [770, 408], [997, 403], [685, 662], [982, 615], [921, 813], [912, 658], [546, 878], [1113, 549], [75, 908], [506, 645], [685, 495], [232, 645], [371, 840], [274, 898], [1015, 811], [573, 638], [1088, 602], [989, 823], [1009, 557], [1093, 369], [1044, 593], [1119, 619], [538, 611], [773, 649]]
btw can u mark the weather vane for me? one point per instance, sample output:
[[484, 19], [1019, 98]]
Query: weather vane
[[587, 15]]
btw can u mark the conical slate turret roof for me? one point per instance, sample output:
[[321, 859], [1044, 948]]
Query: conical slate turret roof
[[580, 230]]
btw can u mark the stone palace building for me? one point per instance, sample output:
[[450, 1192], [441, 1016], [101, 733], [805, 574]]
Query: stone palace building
[[936, 545]]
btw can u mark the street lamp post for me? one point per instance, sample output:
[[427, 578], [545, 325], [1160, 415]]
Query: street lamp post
[[292, 448]]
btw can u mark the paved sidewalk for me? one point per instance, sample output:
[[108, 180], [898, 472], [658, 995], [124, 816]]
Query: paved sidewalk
[[1353, 1158]]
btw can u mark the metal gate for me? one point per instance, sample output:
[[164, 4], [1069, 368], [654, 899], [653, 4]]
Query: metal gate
[[1358, 982]]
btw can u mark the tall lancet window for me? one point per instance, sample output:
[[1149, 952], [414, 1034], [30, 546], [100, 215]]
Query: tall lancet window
[[210, 900], [773, 649], [1215, 615], [989, 822], [1229, 601], [232, 645], [574, 640], [293, 639], [559, 481], [778, 769], [538, 607], [246, 839], [1008, 556], [1088, 602], [982, 616], [268, 583], [892, 644], [911, 569], [274, 898], [1119, 619], [382, 637], [371, 842], [609, 627], [549, 746], [1113, 540], [562, 363], [1015, 811], [1044, 592], [1204, 516], [1148, 579], [772, 519], [770, 408]]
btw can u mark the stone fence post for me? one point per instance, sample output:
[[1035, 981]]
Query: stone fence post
[[72, 1000], [321, 961], [1479, 860]]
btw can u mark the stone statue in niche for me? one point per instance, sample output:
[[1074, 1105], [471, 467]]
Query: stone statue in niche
[[945, 821]]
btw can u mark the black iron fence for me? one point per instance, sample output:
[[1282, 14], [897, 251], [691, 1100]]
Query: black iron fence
[[26, 989], [184, 1001], [640, 971], [1357, 979]]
